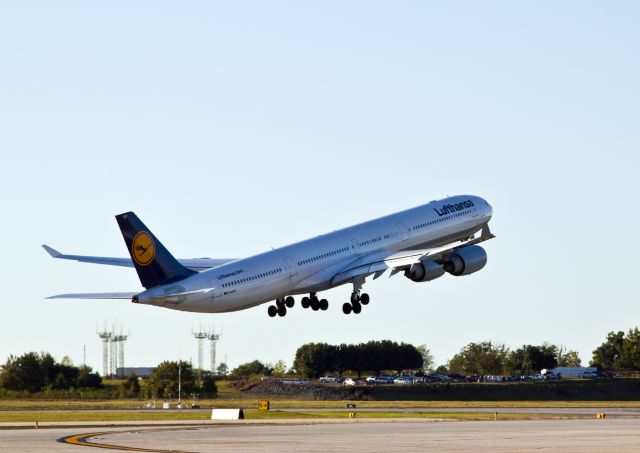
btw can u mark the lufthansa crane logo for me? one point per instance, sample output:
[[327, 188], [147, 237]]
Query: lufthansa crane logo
[[143, 249]]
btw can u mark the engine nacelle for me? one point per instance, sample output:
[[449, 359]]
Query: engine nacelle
[[466, 261], [424, 271]]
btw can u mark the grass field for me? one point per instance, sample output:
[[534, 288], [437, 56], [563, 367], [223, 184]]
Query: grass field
[[250, 403], [251, 414]]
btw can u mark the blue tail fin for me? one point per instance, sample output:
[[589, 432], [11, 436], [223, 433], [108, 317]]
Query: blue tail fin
[[154, 264]]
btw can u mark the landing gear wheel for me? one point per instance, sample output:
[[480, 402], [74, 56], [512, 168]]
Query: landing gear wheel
[[354, 297], [272, 311], [357, 308], [282, 310], [346, 308], [324, 304], [364, 299], [289, 301], [305, 302], [315, 304]]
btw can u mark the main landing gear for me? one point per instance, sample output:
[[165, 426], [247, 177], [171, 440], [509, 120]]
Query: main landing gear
[[280, 308], [357, 301], [355, 306], [314, 303]]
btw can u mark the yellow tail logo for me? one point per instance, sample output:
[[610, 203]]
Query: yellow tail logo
[[143, 249]]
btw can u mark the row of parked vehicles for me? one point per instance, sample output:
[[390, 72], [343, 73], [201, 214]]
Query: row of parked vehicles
[[546, 375], [387, 379]]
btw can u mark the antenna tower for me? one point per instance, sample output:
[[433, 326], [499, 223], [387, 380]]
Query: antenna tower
[[200, 336], [213, 337], [105, 337], [119, 340]]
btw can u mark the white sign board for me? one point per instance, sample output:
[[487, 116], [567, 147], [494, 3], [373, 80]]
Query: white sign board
[[227, 414]]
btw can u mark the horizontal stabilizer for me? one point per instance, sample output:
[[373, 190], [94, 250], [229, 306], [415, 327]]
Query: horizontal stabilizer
[[94, 296]]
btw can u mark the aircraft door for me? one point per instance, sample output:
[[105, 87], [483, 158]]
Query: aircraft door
[[402, 231], [290, 266], [355, 249], [216, 288]]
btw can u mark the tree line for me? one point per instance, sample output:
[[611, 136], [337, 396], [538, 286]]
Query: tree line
[[32, 372], [486, 358], [619, 352], [315, 359]]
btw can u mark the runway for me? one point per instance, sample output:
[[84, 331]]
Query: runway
[[620, 435]]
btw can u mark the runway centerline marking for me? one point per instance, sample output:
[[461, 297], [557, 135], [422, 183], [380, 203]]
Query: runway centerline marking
[[82, 440]]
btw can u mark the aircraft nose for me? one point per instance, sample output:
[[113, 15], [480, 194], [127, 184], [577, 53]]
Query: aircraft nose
[[489, 209]]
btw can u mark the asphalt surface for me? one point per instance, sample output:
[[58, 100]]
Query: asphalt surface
[[619, 435]]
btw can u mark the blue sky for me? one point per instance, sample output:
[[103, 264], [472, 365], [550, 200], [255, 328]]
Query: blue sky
[[234, 127]]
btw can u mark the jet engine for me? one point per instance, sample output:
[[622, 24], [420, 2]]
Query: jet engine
[[424, 271], [466, 260]]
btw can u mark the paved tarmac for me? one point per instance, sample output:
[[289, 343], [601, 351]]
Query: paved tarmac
[[619, 435]]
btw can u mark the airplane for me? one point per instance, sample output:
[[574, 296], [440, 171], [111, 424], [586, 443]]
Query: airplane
[[423, 243]]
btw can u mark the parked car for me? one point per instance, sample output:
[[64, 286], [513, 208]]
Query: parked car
[[326, 379], [437, 377], [403, 380]]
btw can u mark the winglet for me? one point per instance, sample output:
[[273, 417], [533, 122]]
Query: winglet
[[51, 251]]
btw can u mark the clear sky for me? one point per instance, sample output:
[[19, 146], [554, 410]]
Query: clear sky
[[234, 127]]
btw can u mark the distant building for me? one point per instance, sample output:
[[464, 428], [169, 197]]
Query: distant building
[[143, 372]]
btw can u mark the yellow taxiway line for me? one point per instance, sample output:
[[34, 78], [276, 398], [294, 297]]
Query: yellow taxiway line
[[83, 441]]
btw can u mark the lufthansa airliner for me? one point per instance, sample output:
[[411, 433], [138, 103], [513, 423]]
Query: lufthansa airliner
[[423, 243]]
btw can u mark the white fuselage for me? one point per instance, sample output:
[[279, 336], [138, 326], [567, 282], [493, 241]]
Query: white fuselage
[[310, 265]]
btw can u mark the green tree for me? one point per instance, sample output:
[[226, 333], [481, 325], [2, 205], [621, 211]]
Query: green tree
[[427, 358], [88, 379], [163, 381], [130, 388], [222, 369], [607, 354], [23, 373], [442, 369], [280, 368], [479, 358], [357, 358], [629, 359], [207, 386], [375, 356], [407, 357], [530, 359], [567, 357], [255, 368], [342, 358], [314, 359]]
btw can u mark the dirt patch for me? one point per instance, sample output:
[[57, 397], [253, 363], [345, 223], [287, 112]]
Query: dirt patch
[[308, 390]]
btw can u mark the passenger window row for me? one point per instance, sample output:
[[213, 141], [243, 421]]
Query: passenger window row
[[324, 255], [370, 241], [253, 277]]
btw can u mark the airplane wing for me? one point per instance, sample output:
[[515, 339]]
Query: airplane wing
[[195, 264], [378, 262]]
